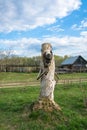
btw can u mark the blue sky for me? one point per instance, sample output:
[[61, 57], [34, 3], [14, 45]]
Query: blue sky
[[26, 24]]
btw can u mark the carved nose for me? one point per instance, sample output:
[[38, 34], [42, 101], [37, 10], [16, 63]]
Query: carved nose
[[48, 56]]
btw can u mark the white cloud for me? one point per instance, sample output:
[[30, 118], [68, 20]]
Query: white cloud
[[84, 33], [82, 26], [22, 47], [27, 14], [67, 45], [56, 28]]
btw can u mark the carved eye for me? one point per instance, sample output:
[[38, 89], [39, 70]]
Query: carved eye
[[51, 51]]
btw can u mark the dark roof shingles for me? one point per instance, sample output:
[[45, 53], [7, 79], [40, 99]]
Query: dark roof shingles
[[70, 60]]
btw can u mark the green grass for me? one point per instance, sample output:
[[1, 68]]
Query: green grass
[[12, 77], [15, 111], [73, 75]]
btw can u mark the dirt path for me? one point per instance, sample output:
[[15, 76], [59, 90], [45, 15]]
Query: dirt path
[[27, 83], [16, 84]]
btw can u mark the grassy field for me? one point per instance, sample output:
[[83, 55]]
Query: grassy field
[[15, 104], [12, 77], [15, 111]]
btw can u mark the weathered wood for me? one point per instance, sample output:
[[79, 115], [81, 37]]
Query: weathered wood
[[47, 81]]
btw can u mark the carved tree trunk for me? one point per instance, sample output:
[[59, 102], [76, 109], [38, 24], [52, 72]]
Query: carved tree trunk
[[47, 72], [48, 82]]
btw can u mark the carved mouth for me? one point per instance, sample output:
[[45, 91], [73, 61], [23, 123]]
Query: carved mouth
[[47, 59]]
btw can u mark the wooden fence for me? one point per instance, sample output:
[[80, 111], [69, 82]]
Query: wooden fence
[[18, 68]]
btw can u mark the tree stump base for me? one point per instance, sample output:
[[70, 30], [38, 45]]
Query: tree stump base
[[45, 104]]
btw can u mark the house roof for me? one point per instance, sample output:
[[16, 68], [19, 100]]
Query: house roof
[[70, 60]]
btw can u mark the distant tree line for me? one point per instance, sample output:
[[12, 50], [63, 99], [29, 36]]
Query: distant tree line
[[8, 59]]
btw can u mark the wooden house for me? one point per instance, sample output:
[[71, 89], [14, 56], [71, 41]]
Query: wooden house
[[74, 64]]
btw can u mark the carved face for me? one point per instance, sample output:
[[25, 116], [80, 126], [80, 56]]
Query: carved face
[[46, 54]]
